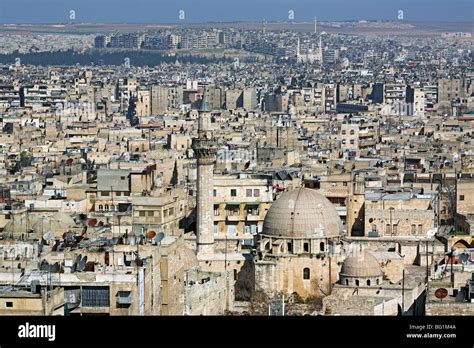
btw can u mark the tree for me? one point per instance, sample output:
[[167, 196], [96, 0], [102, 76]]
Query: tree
[[174, 179]]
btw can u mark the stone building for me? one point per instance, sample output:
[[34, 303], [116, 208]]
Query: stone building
[[399, 214], [301, 233]]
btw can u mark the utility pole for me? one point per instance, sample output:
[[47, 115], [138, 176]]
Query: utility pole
[[403, 291]]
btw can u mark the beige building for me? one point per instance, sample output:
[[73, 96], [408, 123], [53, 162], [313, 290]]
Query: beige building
[[399, 214], [241, 202]]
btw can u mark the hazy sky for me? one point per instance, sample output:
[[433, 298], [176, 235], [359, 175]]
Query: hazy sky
[[166, 11]]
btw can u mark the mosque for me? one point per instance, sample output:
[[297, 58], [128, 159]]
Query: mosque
[[299, 244]]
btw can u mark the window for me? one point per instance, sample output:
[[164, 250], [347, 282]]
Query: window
[[171, 211], [306, 273], [395, 229], [321, 246], [118, 194], [248, 192], [388, 230], [233, 193], [8, 304], [461, 197], [235, 274], [256, 193], [216, 210], [368, 282], [306, 247], [343, 132], [95, 297], [290, 247], [101, 207], [344, 184], [352, 132], [214, 193], [420, 229], [104, 193], [141, 213], [150, 213], [232, 230], [357, 282], [215, 230], [126, 193], [347, 281], [377, 282], [106, 207], [413, 229], [352, 141]]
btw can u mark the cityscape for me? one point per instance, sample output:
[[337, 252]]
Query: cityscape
[[249, 168]]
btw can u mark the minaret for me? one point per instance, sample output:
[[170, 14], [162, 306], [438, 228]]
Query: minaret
[[298, 50], [264, 29], [315, 25], [320, 49], [205, 149]]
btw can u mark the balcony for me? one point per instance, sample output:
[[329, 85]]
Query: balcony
[[234, 217], [253, 217]]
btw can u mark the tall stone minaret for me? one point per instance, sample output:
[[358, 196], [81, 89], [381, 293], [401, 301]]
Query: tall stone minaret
[[205, 149], [315, 25]]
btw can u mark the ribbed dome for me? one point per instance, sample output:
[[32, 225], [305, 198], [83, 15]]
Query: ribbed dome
[[302, 213], [363, 265]]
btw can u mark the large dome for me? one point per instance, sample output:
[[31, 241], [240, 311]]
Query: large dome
[[302, 213], [362, 265]]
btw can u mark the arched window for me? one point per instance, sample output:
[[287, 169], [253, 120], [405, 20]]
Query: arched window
[[368, 282], [290, 247], [101, 207], [357, 282], [106, 207], [321, 246], [306, 273]]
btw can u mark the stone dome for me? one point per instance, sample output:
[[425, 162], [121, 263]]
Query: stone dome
[[362, 265], [302, 213]]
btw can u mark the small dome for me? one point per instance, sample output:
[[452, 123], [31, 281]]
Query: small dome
[[302, 213], [363, 265]]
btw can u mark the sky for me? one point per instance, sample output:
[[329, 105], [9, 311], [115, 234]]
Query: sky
[[167, 11]]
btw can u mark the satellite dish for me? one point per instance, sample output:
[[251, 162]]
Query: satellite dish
[[54, 268], [159, 237], [441, 293], [48, 236], [82, 264]]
